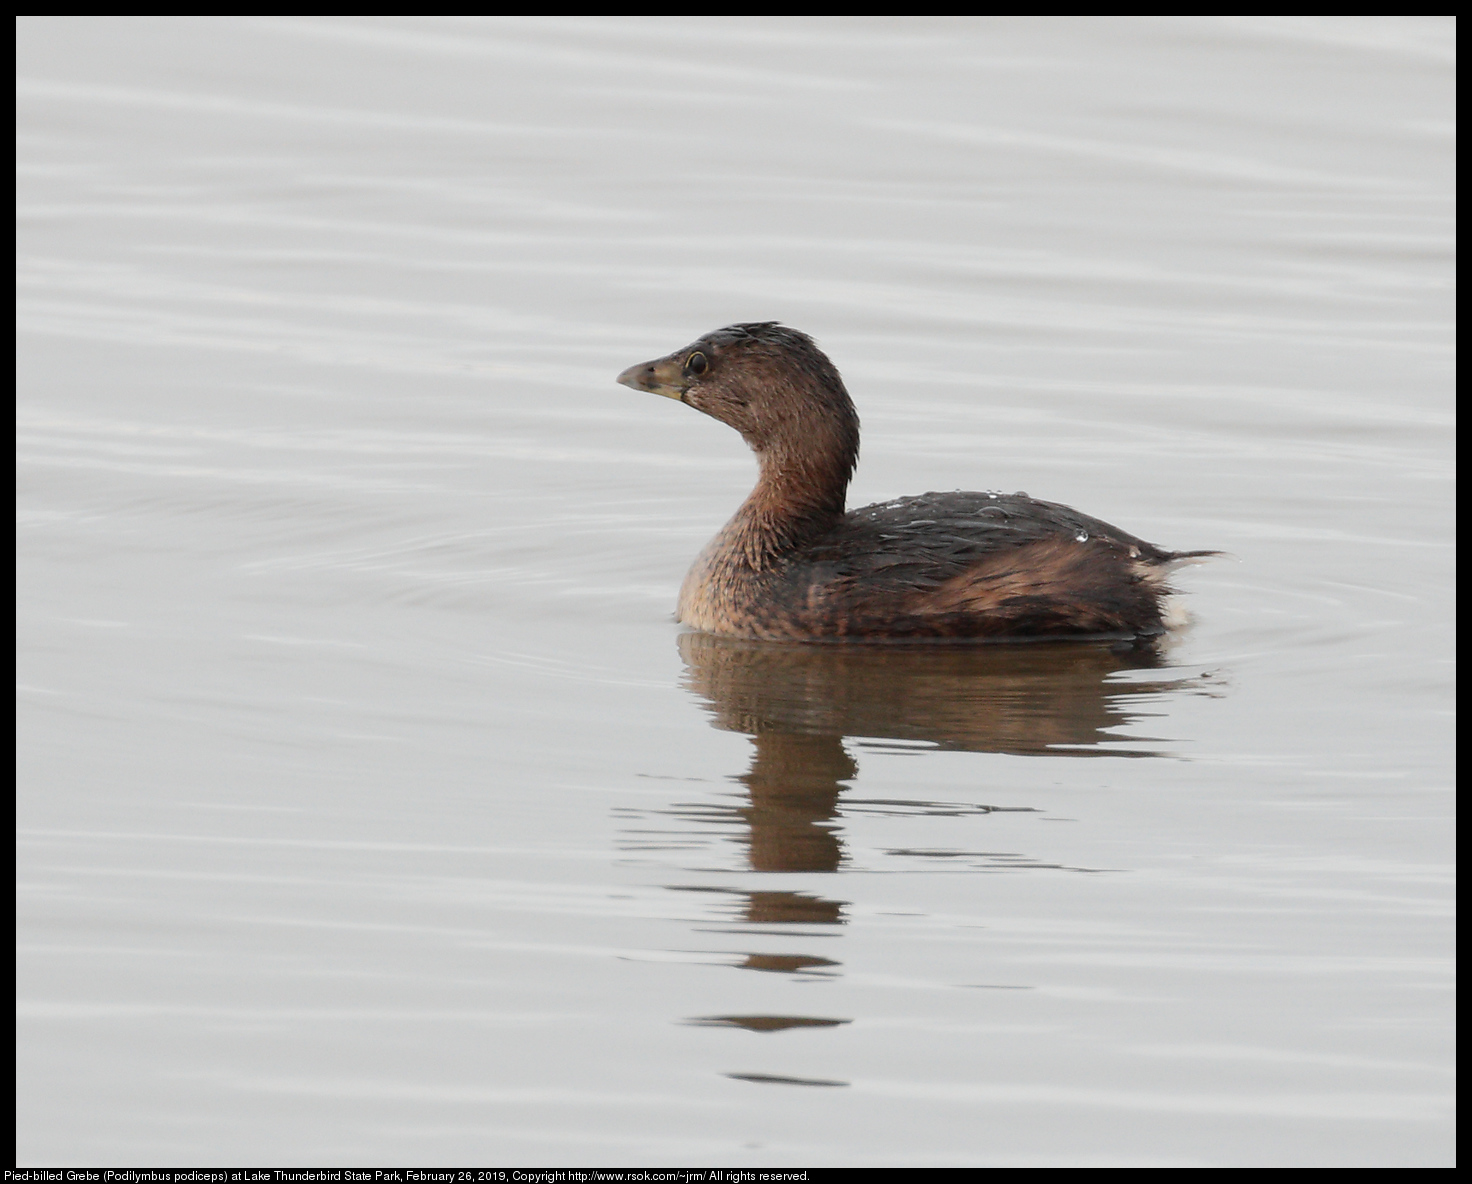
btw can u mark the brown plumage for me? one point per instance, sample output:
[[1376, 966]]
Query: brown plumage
[[792, 565]]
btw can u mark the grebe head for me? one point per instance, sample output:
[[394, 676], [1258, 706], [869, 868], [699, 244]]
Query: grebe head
[[772, 384]]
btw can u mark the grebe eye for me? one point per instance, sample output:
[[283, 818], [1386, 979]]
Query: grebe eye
[[697, 364]]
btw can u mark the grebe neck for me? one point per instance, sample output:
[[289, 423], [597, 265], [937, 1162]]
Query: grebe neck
[[799, 496]]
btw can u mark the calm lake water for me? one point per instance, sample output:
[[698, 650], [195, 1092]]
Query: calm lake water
[[372, 807]]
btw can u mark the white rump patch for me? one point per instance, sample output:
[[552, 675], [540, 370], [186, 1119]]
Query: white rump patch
[[1173, 614]]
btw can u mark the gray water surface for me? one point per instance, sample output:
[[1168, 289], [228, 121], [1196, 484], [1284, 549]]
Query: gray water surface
[[372, 807]]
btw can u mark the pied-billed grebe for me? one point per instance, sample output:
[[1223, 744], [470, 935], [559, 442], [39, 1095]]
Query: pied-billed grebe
[[793, 566]]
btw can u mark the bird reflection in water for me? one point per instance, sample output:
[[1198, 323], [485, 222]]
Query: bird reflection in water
[[798, 703]]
